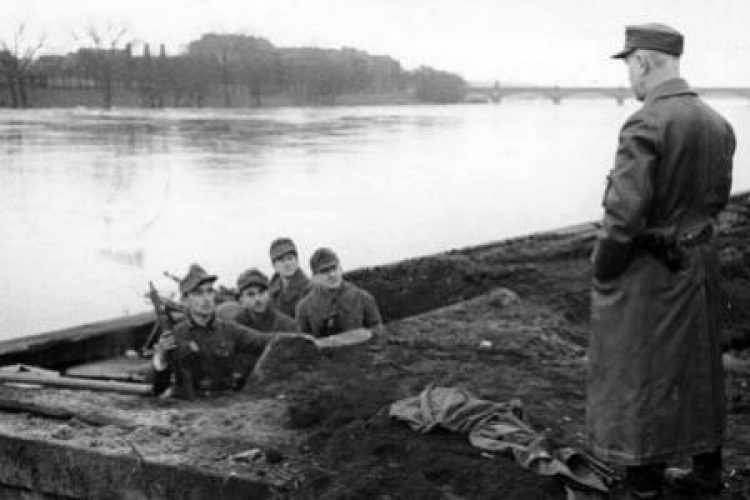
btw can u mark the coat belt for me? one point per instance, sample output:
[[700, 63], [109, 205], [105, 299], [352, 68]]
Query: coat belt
[[665, 238]]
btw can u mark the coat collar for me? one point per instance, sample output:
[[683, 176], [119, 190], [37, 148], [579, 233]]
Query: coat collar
[[668, 88], [196, 326], [335, 292], [266, 316], [297, 281]]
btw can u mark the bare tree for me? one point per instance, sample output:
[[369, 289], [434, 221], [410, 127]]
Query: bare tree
[[103, 57], [16, 56]]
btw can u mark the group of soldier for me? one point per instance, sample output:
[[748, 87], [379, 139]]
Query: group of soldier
[[214, 347]]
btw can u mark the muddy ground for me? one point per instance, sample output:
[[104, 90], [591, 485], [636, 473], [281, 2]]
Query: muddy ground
[[506, 320]]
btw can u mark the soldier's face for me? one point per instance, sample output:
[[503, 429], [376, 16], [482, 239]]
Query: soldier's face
[[255, 298], [286, 265], [637, 69], [331, 277], [200, 301]]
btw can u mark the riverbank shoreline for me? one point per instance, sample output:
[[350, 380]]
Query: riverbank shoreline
[[505, 320], [41, 98]]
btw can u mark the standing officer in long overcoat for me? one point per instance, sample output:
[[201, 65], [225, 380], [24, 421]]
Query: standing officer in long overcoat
[[655, 379]]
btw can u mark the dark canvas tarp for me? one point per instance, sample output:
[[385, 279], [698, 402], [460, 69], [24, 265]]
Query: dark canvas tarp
[[493, 427]]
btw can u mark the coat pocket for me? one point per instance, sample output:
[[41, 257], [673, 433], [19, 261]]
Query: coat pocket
[[223, 349]]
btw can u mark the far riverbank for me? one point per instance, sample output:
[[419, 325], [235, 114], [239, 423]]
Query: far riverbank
[[52, 98]]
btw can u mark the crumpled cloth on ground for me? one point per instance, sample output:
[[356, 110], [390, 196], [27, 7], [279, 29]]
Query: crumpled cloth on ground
[[493, 427]]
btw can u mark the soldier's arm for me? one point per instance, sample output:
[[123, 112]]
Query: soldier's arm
[[628, 196], [247, 339], [162, 363], [228, 311], [163, 348], [724, 178]]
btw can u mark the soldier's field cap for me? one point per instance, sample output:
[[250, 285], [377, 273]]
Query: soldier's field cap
[[251, 277], [281, 247], [652, 36], [196, 276], [323, 259]]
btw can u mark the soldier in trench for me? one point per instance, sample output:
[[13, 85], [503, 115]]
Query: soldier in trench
[[254, 308], [289, 284], [334, 305], [204, 353]]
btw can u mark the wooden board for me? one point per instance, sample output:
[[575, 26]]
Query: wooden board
[[123, 368]]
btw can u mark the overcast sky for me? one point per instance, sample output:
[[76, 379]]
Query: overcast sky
[[535, 41]]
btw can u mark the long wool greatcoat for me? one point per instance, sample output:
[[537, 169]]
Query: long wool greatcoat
[[655, 387]]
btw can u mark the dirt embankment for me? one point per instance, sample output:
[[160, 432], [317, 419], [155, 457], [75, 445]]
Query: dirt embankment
[[507, 320], [530, 299]]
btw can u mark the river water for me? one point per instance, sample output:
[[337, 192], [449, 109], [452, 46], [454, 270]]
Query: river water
[[95, 204]]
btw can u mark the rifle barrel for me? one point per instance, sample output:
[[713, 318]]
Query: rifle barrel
[[171, 276]]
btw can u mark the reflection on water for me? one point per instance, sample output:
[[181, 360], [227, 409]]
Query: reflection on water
[[93, 205]]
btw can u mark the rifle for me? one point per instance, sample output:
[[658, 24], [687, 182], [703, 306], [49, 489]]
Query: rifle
[[164, 320], [173, 277], [180, 374]]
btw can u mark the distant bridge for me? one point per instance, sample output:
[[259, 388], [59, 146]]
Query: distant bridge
[[556, 94]]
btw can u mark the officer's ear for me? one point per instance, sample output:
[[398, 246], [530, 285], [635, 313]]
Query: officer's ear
[[643, 62]]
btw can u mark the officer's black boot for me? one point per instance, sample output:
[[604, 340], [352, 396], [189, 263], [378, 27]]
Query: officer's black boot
[[703, 478], [645, 481]]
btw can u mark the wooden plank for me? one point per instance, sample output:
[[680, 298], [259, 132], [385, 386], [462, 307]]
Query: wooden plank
[[54, 469], [21, 368], [78, 383], [122, 368]]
